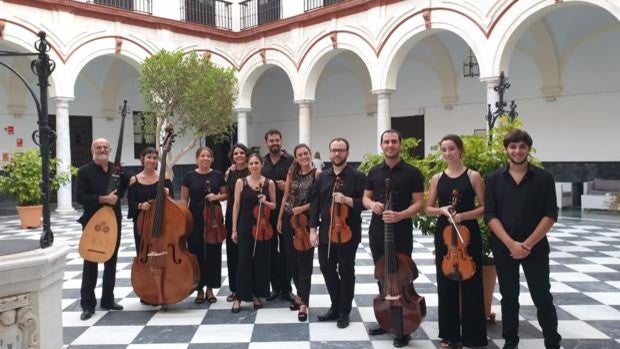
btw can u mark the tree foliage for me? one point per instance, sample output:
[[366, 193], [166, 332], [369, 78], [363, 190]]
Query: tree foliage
[[190, 92]]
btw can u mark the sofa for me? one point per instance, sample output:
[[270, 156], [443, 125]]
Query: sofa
[[564, 194], [599, 193]]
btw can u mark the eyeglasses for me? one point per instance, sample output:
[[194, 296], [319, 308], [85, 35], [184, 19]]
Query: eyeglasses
[[338, 150]]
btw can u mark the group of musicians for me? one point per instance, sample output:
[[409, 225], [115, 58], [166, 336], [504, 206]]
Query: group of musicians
[[518, 203]]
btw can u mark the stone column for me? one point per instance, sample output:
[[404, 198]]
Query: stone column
[[492, 96], [63, 152], [242, 125], [384, 117], [305, 112]]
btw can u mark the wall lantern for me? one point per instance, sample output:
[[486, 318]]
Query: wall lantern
[[470, 66]]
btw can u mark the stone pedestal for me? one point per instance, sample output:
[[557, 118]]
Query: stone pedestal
[[31, 294]]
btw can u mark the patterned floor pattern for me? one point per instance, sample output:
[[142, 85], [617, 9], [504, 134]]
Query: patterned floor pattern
[[585, 275]]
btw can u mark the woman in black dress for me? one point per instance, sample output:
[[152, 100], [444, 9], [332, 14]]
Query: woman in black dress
[[458, 297], [254, 256], [296, 199], [143, 188], [201, 185], [238, 169]]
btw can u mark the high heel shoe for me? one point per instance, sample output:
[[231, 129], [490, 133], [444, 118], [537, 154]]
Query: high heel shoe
[[236, 306], [200, 297], [257, 303], [210, 296]]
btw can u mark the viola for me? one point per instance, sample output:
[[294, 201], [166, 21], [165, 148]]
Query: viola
[[261, 230], [301, 239], [457, 264], [164, 272], [399, 309], [214, 231], [339, 231]]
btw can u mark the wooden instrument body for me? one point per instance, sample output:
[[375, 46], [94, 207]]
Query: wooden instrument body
[[339, 230], [100, 236], [457, 264], [164, 272], [261, 230], [301, 239], [214, 231], [402, 312]]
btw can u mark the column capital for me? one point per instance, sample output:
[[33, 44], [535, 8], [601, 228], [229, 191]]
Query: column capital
[[383, 92], [494, 80], [303, 101], [242, 110]]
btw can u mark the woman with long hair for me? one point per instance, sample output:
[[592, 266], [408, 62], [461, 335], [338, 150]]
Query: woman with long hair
[[461, 306], [299, 182], [239, 169], [200, 186], [254, 254]]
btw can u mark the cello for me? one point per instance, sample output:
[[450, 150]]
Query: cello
[[339, 230], [164, 272], [261, 230], [100, 235], [214, 232], [457, 264], [399, 309]]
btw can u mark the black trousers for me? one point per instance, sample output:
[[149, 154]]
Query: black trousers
[[209, 259], [299, 263], [536, 270], [280, 276], [339, 273], [232, 262], [88, 301], [403, 242]]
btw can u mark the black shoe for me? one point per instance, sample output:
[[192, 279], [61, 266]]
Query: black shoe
[[510, 345], [287, 296], [343, 321], [236, 307], [86, 314], [376, 331], [331, 314], [113, 306], [273, 295], [401, 341]]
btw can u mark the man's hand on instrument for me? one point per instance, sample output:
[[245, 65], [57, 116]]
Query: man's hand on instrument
[[377, 207], [144, 206], [339, 198], [212, 197], [391, 216], [109, 199]]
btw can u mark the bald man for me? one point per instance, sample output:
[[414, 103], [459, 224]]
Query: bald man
[[92, 187]]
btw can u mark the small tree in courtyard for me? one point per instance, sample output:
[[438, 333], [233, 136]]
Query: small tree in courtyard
[[190, 92]]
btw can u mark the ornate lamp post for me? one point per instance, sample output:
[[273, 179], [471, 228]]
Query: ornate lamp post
[[491, 117], [43, 67]]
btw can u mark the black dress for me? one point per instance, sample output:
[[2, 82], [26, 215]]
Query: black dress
[[472, 320], [253, 272], [138, 193], [209, 255], [232, 252]]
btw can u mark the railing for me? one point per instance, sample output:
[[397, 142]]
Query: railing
[[310, 5], [257, 12], [144, 6], [214, 13]]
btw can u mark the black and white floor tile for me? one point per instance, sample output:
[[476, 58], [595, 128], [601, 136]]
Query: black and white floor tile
[[585, 275]]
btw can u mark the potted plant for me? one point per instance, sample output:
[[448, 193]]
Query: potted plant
[[20, 180]]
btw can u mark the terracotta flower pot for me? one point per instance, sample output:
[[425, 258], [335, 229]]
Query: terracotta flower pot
[[30, 216], [489, 277]]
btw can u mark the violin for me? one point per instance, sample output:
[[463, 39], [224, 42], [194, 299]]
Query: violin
[[339, 230], [399, 309], [301, 239], [261, 230], [457, 264], [214, 231]]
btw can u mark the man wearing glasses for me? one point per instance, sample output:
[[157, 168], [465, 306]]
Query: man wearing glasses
[[340, 185]]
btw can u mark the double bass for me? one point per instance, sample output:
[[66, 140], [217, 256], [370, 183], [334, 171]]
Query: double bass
[[261, 230], [214, 232], [100, 235], [339, 230], [457, 264], [164, 272], [399, 309]]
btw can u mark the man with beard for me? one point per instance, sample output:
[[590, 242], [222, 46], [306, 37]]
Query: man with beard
[[337, 260], [92, 185], [408, 198], [275, 167], [520, 208]]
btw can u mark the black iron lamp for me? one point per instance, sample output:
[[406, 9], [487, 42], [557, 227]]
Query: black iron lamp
[[470, 66]]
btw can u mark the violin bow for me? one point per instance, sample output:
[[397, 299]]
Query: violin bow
[[260, 206], [456, 228]]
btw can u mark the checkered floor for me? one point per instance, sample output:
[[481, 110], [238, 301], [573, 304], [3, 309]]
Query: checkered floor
[[585, 275]]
